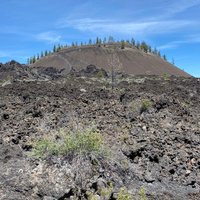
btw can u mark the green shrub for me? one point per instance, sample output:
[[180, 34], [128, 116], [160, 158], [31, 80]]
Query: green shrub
[[166, 77], [124, 195], [107, 191], [69, 143], [145, 105], [92, 196], [100, 74], [142, 194]]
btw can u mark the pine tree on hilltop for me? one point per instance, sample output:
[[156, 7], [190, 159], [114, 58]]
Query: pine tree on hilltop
[[58, 48], [122, 44], [138, 45], [133, 42], [144, 47], [31, 60], [90, 42], [104, 41], [38, 57], [100, 41], [164, 57], [42, 54], [149, 49], [46, 53], [111, 40], [54, 48], [34, 59], [155, 51], [97, 40]]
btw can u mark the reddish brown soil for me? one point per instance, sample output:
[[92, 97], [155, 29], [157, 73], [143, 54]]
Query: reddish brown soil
[[128, 60]]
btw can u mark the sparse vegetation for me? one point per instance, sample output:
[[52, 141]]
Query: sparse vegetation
[[98, 42], [166, 77], [107, 191], [145, 105], [144, 47], [124, 195], [92, 196], [142, 194], [100, 75], [165, 57], [69, 143], [140, 106], [122, 44]]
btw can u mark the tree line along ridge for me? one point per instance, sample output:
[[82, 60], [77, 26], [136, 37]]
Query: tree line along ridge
[[143, 46]]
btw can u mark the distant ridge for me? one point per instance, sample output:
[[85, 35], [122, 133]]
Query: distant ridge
[[129, 60]]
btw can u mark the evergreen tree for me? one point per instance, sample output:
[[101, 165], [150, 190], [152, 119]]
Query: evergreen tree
[[38, 57], [31, 60], [149, 49], [138, 45], [144, 47], [164, 57], [42, 54], [34, 59], [28, 61], [90, 42], [46, 53], [104, 40], [122, 44], [54, 48], [133, 42], [58, 48], [100, 41], [111, 40], [155, 51], [97, 40]]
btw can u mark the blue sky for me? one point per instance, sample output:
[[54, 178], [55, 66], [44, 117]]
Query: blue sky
[[30, 26]]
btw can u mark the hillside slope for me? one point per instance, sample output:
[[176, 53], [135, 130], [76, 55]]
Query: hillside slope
[[128, 60]]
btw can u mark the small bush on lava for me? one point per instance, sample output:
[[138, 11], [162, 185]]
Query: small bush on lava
[[124, 195], [142, 194], [146, 104], [64, 143]]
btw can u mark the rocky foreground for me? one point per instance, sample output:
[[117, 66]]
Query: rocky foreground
[[150, 127]]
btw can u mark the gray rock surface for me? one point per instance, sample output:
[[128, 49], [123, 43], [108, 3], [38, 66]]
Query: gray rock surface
[[157, 148]]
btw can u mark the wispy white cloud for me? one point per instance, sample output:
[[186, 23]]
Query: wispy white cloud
[[168, 46], [110, 26], [181, 6], [170, 9], [49, 37], [194, 38], [174, 44]]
